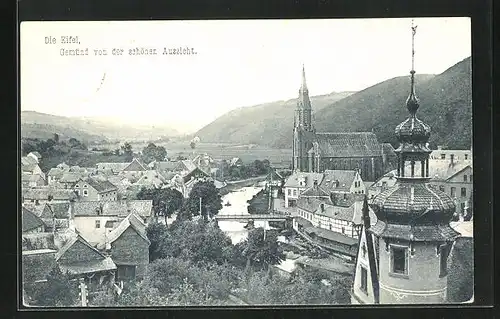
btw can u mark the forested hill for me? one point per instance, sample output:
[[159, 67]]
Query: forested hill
[[445, 104], [261, 124]]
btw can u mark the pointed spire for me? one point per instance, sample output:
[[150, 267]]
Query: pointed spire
[[303, 86], [366, 213], [412, 101]]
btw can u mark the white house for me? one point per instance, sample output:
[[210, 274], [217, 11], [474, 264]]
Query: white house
[[297, 183]]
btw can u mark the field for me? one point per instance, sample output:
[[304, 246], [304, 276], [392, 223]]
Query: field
[[247, 153]]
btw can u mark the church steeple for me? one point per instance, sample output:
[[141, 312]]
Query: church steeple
[[303, 87]]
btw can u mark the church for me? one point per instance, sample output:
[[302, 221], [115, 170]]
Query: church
[[319, 151]]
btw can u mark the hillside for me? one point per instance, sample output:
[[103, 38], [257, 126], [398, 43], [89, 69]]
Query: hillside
[[261, 124], [35, 124], [445, 104]]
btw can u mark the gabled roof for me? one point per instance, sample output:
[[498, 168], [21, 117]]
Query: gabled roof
[[101, 263], [186, 165], [56, 210], [38, 155], [131, 221], [57, 172], [345, 179], [315, 191], [25, 178], [28, 160], [294, 179], [135, 165], [165, 166], [151, 177], [234, 161], [311, 204], [352, 144], [444, 170], [37, 241], [101, 186], [71, 177], [30, 221], [122, 208]]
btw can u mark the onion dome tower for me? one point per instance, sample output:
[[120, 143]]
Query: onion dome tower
[[412, 236]]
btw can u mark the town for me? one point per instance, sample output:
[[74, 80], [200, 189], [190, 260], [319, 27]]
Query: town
[[348, 219]]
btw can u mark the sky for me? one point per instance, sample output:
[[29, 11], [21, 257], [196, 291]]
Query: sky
[[237, 63]]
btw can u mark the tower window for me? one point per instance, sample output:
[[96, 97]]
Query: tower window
[[364, 280], [399, 260]]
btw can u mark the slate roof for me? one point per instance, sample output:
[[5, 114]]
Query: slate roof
[[57, 210], [130, 221], [345, 180], [294, 179], [71, 177], [388, 149], [101, 186], [187, 165], [56, 172], [28, 160], [115, 167], [37, 241], [352, 213], [352, 144], [27, 178], [311, 204], [43, 192], [420, 232], [164, 165], [459, 155], [99, 264], [135, 162], [315, 191], [151, 177], [30, 221], [331, 235], [122, 208], [443, 170]]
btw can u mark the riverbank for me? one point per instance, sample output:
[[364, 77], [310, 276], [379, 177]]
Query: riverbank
[[232, 186]]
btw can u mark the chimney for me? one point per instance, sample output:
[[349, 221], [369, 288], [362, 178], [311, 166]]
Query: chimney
[[452, 157], [322, 207]]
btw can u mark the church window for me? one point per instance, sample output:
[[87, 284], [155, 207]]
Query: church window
[[399, 260], [364, 280]]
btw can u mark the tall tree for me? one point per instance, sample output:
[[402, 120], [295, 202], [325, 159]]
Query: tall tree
[[153, 152], [204, 196], [261, 249], [57, 290], [156, 233], [166, 201], [127, 150]]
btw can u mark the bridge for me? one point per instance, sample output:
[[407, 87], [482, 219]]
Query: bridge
[[256, 217]]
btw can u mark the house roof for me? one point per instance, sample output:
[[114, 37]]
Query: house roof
[[151, 177], [352, 144], [28, 160], [331, 235], [56, 172], [466, 229], [37, 241], [165, 166], [234, 160], [311, 204], [37, 154], [345, 180], [71, 177], [101, 186], [444, 170], [130, 221], [294, 179], [25, 178], [135, 165], [115, 167], [30, 220], [43, 192], [56, 210], [123, 208], [459, 155], [98, 264], [188, 165], [388, 149], [315, 191]]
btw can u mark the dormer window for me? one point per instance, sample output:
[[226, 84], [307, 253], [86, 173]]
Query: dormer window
[[466, 156], [85, 185], [77, 186], [443, 156]]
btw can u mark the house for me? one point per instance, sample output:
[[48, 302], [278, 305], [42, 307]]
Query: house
[[235, 161], [151, 179], [298, 182], [30, 166], [92, 189], [31, 223], [29, 180], [383, 183], [95, 219], [455, 179], [69, 179], [55, 174], [128, 246], [113, 168], [56, 216], [80, 259], [447, 155], [343, 181], [46, 194], [184, 167], [163, 166], [35, 155]]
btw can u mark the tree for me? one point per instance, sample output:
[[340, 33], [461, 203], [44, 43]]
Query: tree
[[56, 137], [211, 200], [127, 150], [154, 153], [156, 233], [166, 201], [57, 290], [261, 249]]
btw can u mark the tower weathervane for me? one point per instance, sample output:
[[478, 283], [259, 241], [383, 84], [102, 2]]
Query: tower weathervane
[[413, 31]]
